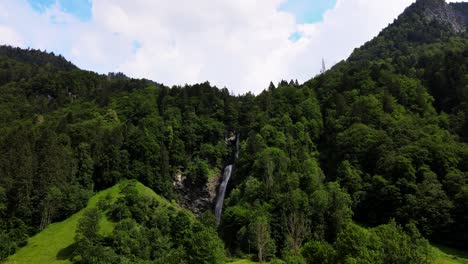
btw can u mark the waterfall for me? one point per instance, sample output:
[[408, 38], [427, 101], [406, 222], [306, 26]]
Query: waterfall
[[224, 183], [222, 192], [237, 146]]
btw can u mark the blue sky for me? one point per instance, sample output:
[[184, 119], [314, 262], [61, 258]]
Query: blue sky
[[78, 8], [308, 11], [238, 44], [305, 11]]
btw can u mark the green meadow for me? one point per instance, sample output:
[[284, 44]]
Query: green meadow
[[55, 243]]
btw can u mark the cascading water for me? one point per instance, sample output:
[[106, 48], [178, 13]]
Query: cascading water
[[222, 192], [237, 146], [224, 183]]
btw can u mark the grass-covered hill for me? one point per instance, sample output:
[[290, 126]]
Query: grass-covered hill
[[53, 244], [122, 214], [366, 163]]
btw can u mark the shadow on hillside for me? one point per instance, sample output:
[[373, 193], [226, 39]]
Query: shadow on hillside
[[66, 253], [457, 255]]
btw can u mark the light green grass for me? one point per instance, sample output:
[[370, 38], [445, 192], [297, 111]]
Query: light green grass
[[213, 173], [442, 254], [242, 261], [54, 244], [446, 255]]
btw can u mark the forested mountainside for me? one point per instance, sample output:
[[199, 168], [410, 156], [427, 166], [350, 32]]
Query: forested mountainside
[[365, 163]]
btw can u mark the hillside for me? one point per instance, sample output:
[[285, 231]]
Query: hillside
[[121, 221], [365, 163], [56, 241]]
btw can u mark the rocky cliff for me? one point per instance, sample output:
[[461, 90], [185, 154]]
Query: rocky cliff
[[454, 15], [197, 199]]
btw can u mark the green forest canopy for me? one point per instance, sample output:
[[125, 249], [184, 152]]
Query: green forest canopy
[[379, 140]]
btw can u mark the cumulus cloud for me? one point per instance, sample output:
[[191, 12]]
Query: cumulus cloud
[[241, 45], [9, 35]]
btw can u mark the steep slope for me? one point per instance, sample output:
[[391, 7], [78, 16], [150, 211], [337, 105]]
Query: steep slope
[[391, 110], [426, 21], [17, 64], [380, 140], [55, 243], [451, 15], [38, 58]]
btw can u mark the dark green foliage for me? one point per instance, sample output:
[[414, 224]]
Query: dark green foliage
[[379, 138], [319, 252], [149, 232], [197, 172], [13, 234], [383, 244], [205, 246], [88, 226], [65, 132]]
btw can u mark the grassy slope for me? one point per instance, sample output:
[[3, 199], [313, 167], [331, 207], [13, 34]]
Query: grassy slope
[[243, 261], [442, 254], [445, 255], [50, 245]]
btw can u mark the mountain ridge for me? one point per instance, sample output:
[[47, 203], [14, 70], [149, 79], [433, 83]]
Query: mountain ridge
[[380, 140], [438, 10]]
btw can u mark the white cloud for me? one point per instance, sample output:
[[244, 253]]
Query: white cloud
[[349, 25], [10, 37], [240, 44]]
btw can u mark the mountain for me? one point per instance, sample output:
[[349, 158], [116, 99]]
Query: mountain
[[17, 64], [451, 15], [425, 21], [366, 163]]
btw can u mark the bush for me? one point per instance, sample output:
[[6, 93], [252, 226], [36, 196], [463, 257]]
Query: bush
[[318, 252]]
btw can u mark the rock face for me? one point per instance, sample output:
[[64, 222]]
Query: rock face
[[454, 15], [197, 199]]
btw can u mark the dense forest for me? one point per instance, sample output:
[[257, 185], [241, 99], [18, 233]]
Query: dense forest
[[365, 163]]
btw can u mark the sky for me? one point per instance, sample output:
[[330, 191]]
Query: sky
[[238, 44]]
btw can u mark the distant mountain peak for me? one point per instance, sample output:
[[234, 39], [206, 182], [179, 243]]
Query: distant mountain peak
[[431, 2], [453, 15]]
